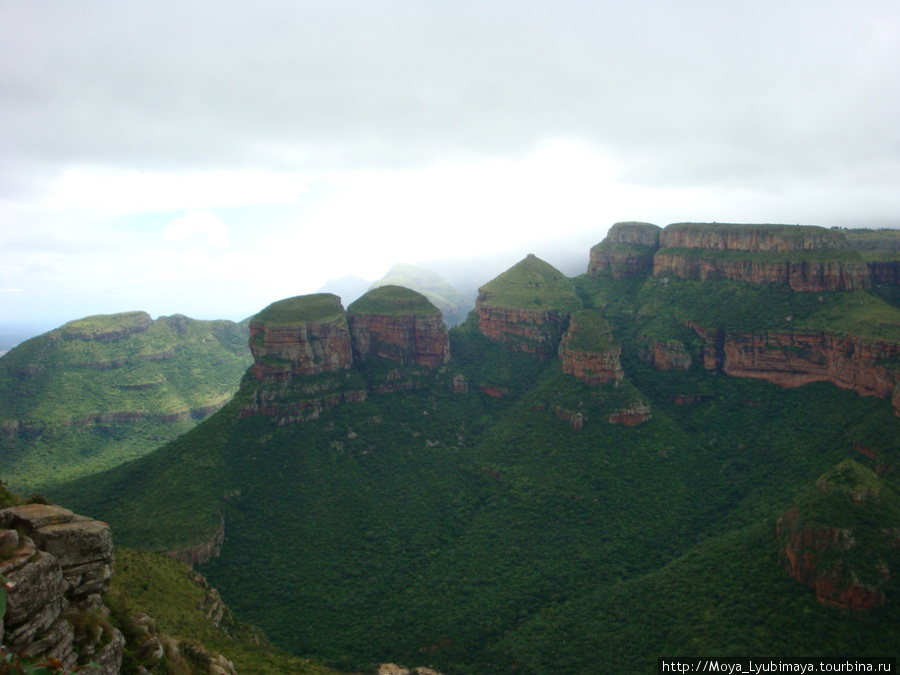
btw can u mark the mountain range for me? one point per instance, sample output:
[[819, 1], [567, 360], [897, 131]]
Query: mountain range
[[691, 449]]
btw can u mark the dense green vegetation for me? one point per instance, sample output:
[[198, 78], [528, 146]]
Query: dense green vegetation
[[104, 389], [483, 534], [184, 607], [392, 300], [315, 307]]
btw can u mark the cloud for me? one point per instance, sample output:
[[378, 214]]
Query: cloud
[[198, 227]]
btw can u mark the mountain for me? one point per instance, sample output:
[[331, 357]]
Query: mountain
[[605, 469], [348, 287], [454, 304], [104, 389]]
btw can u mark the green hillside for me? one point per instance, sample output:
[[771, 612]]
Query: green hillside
[[104, 389], [392, 300], [477, 530]]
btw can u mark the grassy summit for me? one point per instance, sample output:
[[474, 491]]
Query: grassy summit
[[530, 284], [392, 300], [590, 332], [302, 308]]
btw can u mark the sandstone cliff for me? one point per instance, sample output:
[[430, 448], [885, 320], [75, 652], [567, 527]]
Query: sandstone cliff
[[399, 324], [527, 308], [588, 351], [58, 564], [795, 359], [304, 335], [665, 354], [843, 538], [806, 258], [627, 251]]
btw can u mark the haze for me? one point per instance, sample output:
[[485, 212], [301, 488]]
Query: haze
[[210, 158]]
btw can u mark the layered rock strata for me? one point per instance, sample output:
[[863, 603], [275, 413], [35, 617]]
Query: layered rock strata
[[804, 257], [795, 359], [627, 251], [588, 351], [665, 354], [527, 308], [58, 565], [396, 323]]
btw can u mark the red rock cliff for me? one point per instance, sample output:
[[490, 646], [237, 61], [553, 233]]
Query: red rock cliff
[[795, 359], [588, 352], [413, 332], [535, 332], [807, 258], [627, 251], [288, 338]]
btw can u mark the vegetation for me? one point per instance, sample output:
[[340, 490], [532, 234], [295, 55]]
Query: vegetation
[[481, 532], [531, 284], [392, 300], [316, 307], [454, 305], [104, 389]]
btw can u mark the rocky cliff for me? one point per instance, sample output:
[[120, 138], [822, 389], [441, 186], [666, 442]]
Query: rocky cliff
[[396, 323], [527, 308], [304, 335], [58, 566], [311, 355], [588, 351], [627, 251], [795, 359], [843, 538], [805, 257]]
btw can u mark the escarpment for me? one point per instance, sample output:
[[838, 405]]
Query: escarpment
[[527, 308], [312, 355], [58, 565], [795, 359], [627, 251], [843, 538]]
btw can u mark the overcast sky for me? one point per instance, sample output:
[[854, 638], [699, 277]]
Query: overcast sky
[[209, 158]]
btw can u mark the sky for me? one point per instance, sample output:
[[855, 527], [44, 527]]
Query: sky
[[209, 158]]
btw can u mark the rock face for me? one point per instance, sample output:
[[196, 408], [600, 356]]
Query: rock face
[[59, 566], [396, 323], [588, 351], [304, 335], [201, 553], [636, 413], [308, 352], [627, 251], [806, 258], [795, 359], [527, 308], [839, 541], [665, 354]]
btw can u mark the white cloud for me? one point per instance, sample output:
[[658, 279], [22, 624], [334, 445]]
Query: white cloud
[[198, 227]]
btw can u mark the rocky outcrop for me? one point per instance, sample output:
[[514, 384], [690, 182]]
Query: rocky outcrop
[[837, 540], [58, 565], [399, 324], [527, 308], [665, 354], [627, 251], [806, 258], [588, 351], [305, 335], [795, 359], [106, 328], [635, 414]]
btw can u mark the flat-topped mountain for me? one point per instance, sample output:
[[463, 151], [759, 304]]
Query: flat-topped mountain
[[107, 388], [807, 258], [454, 304]]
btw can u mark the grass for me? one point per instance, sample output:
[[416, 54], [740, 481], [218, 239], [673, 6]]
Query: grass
[[590, 332], [392, 300], [302, 308], [530, 284]]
